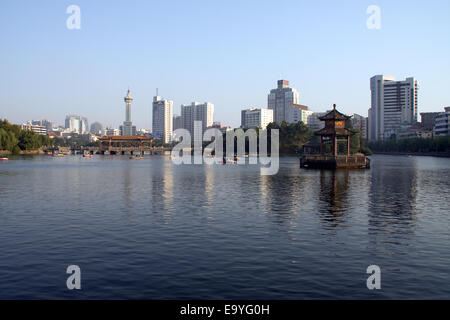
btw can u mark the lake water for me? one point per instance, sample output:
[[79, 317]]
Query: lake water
[[152, 230]]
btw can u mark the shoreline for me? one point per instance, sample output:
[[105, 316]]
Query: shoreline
[[419, 154], [23, 152]]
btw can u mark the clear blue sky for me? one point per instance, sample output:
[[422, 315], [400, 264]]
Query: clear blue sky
[[230, 53]]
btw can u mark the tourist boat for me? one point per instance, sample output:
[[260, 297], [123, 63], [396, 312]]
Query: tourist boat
[[4, 159]]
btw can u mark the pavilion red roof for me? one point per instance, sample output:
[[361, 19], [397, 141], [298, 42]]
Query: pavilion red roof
[[334, 115]]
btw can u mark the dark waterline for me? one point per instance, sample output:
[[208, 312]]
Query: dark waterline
[[151, 230]]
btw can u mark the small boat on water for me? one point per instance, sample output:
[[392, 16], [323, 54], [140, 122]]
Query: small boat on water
[[136, 157], [57, 155], [4, 159], [88, 156]]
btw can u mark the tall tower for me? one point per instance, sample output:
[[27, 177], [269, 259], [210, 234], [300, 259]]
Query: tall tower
[[127, 129]]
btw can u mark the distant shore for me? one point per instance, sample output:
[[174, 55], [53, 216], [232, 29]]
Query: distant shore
[[423, 154], [24, 152]]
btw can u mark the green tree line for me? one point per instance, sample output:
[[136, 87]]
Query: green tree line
[[14, 139]]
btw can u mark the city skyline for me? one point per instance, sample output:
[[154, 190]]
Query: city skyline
[[327, 55]]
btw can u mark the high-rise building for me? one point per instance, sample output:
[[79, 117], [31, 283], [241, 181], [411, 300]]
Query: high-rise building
[[177, 122], [281, 101], [427, 119], [256, 118], [162, 119], [314, 123], [76, 123], [188, 116], [205, 113], [197, 112], [442, 123], [360, 123], [127, 129], [393, 104], [84, 125]]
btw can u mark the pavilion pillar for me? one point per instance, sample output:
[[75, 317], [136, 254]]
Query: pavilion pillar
[[321, 144], [348, 146], [335, 144]]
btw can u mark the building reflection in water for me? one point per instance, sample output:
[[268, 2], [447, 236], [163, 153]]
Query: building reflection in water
[[209, 187], [285, 195], [392, 198], [127, 188], [333, 197], [162, 187]]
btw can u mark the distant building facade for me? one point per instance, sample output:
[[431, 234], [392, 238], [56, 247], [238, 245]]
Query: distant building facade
[[360, 122], [46, 123], [256, 118], [197, 112], [162, 121], [314, 122], [42, 130], [442, 123], [111, 132], [96, 128], [393, 104], [427, 119], [77, 124], [177, 122], [281, 99]]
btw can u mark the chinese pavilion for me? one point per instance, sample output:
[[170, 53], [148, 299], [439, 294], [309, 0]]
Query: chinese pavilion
[[335, 145]]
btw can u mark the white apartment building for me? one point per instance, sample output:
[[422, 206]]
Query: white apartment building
[[256, 118], [42, 130], [393, 104], [111, 132], [197, 112], [162, 119], [281, 99], [75, 123]]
